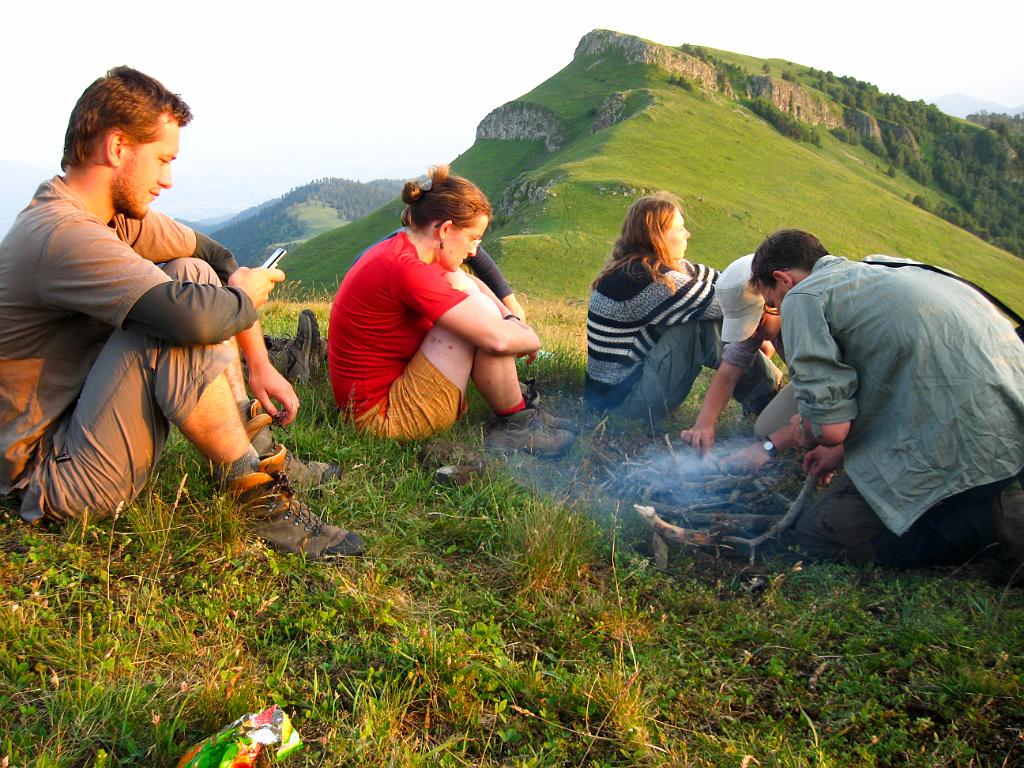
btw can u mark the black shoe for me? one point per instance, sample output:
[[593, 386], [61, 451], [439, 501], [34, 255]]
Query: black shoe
[[300, 358]]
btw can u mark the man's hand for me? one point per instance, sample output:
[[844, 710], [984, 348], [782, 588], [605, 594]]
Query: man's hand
[[256, 283], [701, 438], [751, 458], [267, 386], [823, 461]]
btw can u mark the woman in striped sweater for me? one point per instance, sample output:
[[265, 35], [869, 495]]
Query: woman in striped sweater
[[654, 322]]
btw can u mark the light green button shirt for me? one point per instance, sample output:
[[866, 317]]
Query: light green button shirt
[[928, 372]]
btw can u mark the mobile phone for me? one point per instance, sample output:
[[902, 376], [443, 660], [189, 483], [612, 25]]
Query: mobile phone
[[274, 258]]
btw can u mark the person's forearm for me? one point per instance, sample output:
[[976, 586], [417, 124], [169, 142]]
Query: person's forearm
[[782, 438], [722, 385], [514, 307], [187, 314], [253, 348]]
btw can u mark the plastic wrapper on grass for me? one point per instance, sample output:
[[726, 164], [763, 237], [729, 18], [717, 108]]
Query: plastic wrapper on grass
[[239, 744]]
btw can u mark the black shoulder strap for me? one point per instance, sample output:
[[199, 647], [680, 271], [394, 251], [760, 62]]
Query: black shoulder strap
[[939, 270]]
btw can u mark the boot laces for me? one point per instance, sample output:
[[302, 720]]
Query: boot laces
[[293, 507]]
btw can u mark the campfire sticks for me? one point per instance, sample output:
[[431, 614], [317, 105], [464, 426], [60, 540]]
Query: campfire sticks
[[719, 522], [787, 520]]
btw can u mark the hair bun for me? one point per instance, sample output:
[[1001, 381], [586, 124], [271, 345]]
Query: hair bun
[[411, 192], [438, 174]]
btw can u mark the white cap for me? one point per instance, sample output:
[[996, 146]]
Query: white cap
[[741, 305]]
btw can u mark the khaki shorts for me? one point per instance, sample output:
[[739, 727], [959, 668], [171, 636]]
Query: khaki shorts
[[421, 402], [777, 413]]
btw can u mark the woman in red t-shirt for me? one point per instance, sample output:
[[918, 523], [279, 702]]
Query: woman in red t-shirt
[[409, 328]]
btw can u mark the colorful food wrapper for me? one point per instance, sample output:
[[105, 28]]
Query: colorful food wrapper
[[239, 744]]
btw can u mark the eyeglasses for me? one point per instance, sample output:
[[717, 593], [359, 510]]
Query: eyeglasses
[[473, 241]]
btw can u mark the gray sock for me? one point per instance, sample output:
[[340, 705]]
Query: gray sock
[[246, 464]]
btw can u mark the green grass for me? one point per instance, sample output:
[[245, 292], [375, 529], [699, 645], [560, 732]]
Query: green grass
[[516, 621], [738, 177]]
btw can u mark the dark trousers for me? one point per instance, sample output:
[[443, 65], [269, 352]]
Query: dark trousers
[[842, 526]]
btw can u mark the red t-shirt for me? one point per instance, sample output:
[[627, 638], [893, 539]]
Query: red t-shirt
[[384, 307]]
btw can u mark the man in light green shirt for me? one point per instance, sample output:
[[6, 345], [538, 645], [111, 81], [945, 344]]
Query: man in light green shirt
[[914, 384]]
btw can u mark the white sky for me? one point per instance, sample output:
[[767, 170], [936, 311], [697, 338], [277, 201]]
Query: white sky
[[287, 91]]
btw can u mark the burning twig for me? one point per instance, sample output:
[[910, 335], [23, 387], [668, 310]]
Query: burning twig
[[722, 515], [787, 520], [674, 533]]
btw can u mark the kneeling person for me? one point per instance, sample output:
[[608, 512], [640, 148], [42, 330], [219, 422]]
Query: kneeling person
[[913, 383], [751, 330]]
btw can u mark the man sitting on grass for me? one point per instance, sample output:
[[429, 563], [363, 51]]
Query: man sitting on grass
[[118, 322]]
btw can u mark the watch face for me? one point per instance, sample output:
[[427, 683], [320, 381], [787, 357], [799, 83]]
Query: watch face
[[769, 446]]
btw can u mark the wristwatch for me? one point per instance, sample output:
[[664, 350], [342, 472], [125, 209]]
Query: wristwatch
[[769, 448]]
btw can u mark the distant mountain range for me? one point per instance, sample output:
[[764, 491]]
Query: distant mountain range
[[750, 145], [962, 105], [322, 205]]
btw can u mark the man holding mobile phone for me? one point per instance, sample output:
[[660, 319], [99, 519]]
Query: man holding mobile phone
[[133, 322]]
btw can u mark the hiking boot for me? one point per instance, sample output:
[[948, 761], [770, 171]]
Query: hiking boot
[[286, 522], [258, 423], [532, 398], [527, 431], [310, 474], [303, 474], [299, 358]]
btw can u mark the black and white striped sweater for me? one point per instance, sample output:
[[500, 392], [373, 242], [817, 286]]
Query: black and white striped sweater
[[626, 318]]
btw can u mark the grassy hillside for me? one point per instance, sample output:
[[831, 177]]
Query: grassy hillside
[[739, 179], [304, 212]]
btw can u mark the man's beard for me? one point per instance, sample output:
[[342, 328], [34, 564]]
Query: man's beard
[[124, 195]]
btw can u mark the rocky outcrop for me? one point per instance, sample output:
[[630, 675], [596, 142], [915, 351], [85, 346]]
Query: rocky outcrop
[[528, 122], [864, 124], [611, 111], [523, 192], [638, 51], [898, 137], [791, 98]]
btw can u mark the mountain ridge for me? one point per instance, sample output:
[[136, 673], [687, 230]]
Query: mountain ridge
[[321, 205], [746, 160], [963, 104]]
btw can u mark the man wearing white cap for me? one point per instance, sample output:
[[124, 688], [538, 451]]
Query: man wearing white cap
[[749, 329]]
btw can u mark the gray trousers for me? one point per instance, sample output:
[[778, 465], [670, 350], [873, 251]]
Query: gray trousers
[[675, 361], [102, 453]]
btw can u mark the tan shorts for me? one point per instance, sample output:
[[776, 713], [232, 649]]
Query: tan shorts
[[777, 413], [421, 402]]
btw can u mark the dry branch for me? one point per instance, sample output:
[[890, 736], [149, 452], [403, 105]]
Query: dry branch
[[674, 533], [719, 520], [787, 520]]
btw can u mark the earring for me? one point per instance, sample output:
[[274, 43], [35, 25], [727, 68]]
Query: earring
[[442, 245]]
